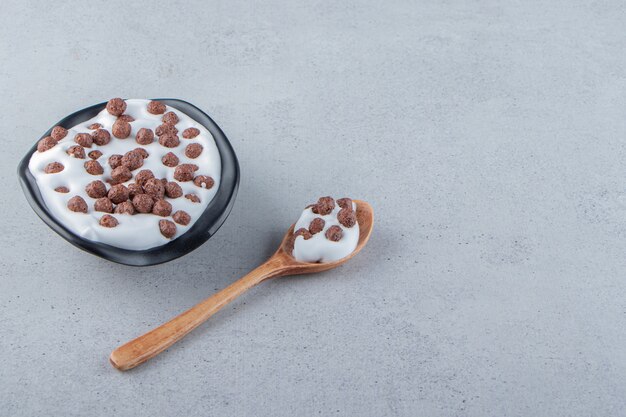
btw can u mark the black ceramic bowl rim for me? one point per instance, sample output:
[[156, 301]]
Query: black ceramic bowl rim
[[205, 226]]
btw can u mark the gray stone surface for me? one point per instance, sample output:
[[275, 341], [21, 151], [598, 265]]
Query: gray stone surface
[[490, 139]]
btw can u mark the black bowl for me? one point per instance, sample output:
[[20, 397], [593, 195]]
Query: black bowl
[[211, 219]]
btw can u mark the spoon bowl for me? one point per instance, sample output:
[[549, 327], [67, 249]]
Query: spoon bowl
[[280, 264], [365, 219]]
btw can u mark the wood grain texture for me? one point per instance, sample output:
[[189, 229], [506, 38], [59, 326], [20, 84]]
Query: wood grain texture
[[281, 263]]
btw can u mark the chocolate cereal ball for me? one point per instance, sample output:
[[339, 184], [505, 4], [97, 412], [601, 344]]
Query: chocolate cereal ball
[[104, 205], [165, 129], [154, 188], [132, 160], [96, 189], [125, 207], [77, 204], [144, 136], [94, 154], [120, 174], [192, 197], [84, 139], [193, 150], [134, 189], [181, 217], [63, 190], [116, 106], [58, 133], [115, 161], [94, 126], [169, 140], [94, 168], [127, 118], [190, 133], [121, 129], [204, 181], [46, 143], [76, 151], [317, 225], [324, 206], [170, 118], [345, 203], [143, 203], [170, 160], [334, 233], [162, 208], [101, 137], [142, 152], [184, 172], [108, 221], [143, 176], [173, 190], [302, 232], [118, 193], [167, 228], [156, 107], [347, 217], [53, 168]]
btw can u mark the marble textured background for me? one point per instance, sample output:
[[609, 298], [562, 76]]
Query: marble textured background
[[489, 137]]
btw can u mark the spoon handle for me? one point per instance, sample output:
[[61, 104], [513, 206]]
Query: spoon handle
[[157, 340]]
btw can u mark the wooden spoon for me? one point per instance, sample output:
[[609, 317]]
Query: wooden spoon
[[144, 347]]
